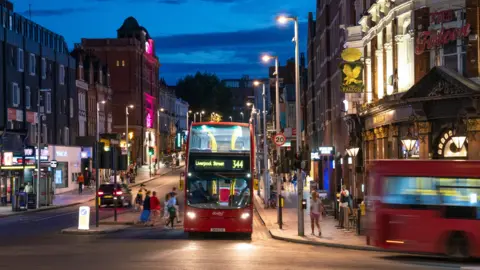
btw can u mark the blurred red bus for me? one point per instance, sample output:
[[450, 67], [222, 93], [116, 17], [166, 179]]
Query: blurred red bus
[[424, 206], [218, 178]]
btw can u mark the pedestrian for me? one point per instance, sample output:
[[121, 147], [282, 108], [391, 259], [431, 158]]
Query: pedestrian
[[294, 182], [177, 204], [165, 208], [145, 216], [316, 212], [343, 218], [171, 211], [80, 181], [139, 198], [154, 207]]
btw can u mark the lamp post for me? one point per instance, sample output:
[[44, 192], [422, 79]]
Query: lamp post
[[160, 130], [39, 115], [126, 133], [243, 117], [202, 113], [284, 20], [265, 150], [231, 119], [97, 161], [256, 127], [188, 125], [352, 151]]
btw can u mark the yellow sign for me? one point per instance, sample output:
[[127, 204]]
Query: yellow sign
[[238, 164], [255, 184]]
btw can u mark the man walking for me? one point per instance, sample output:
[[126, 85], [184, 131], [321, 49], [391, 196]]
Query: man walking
[[80, 181]]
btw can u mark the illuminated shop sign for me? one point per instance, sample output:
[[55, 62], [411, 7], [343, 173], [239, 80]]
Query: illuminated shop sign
[[325, 150], [148, 121], [430, 39]]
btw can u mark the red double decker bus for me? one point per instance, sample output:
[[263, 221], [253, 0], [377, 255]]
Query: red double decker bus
[[425, 206], [218, 178]]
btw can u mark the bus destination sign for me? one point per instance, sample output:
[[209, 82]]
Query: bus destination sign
[[221, 165]]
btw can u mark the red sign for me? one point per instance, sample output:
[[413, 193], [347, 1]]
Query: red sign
[[441, 17], [294, 131], [31, 117], [430, 39], [12, 114], [279, 139]]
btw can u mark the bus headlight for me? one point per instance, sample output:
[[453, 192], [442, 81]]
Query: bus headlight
[[191, 215], [245, 215]]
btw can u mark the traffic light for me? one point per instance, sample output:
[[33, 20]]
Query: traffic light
[[151, 151]]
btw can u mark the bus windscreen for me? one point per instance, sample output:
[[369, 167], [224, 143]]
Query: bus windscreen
[[219, 139]]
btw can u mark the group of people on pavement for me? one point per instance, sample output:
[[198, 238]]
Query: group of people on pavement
[[151, 208]]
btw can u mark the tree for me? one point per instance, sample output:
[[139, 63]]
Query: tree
[[205, 91]]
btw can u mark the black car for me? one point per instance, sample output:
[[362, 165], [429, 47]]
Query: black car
[[121, 195]]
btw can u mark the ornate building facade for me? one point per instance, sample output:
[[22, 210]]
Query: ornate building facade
[[410, 75]]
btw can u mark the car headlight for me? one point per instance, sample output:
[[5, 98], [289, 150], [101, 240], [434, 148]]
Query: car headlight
[[245, 215], [191, 215]]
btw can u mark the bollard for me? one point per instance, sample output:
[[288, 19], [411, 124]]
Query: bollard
[[359, 213], [280, 207]]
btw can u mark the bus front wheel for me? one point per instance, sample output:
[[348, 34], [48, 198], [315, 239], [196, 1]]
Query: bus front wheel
[[457, 245]]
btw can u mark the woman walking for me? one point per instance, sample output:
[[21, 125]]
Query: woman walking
[[145, 216], [154, 208], [316, 212]]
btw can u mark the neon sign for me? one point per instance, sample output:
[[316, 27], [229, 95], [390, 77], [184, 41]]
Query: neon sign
[[148, 121], [149, 46]]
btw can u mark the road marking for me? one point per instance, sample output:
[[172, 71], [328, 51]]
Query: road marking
[[50, 217]]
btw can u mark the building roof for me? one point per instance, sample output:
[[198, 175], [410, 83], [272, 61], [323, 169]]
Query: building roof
[[131, 25], [442, 82]]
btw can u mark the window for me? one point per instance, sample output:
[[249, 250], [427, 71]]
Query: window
[[32, 65], [118, 63], [20, 59], [10, 124], [123, 63], [61, 75], [28, 97], [15, 95], [80, 72], [66, 134], [71, 107], [48, 102], [44, 68]]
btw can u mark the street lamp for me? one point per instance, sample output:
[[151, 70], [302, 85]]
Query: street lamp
[[126, 132], [243, 117], [231, 119], [39, 120], [188, 113], [352, 151], [97, 161], [409, 142], [265, 151], [202, 113], [283, 20], [160, 130]]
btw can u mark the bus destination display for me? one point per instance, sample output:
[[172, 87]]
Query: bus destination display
[[221, 165]]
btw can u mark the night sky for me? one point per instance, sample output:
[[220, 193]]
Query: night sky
[[225, 37]]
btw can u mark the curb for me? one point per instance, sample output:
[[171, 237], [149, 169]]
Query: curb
[[332, 245], [78, 203], [78, 232]]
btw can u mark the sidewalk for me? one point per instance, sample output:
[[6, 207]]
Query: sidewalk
[[72, 198], [331, 236]]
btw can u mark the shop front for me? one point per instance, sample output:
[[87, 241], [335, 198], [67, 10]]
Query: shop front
[[69, 166], [438, 118]]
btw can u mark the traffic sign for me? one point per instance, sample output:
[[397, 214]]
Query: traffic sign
[[53, 164], [84, 218], [279, 139]]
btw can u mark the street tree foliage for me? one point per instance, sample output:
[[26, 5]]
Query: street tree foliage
[[205, 91], [216, 118]]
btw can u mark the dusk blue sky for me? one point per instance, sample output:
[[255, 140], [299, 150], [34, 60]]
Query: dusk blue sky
[[225, 37]]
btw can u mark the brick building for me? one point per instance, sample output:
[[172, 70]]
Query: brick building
[[93, 85], [134, 72], [326, 132], [420, 81]]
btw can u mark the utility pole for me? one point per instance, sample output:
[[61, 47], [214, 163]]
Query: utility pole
[[265, 150]]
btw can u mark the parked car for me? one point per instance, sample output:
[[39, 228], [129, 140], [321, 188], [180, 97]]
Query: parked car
[[108, 196]]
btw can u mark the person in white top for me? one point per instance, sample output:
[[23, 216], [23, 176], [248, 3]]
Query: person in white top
[[316, 212]]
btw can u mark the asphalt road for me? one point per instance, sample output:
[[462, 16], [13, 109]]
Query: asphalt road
[[34, 242]]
